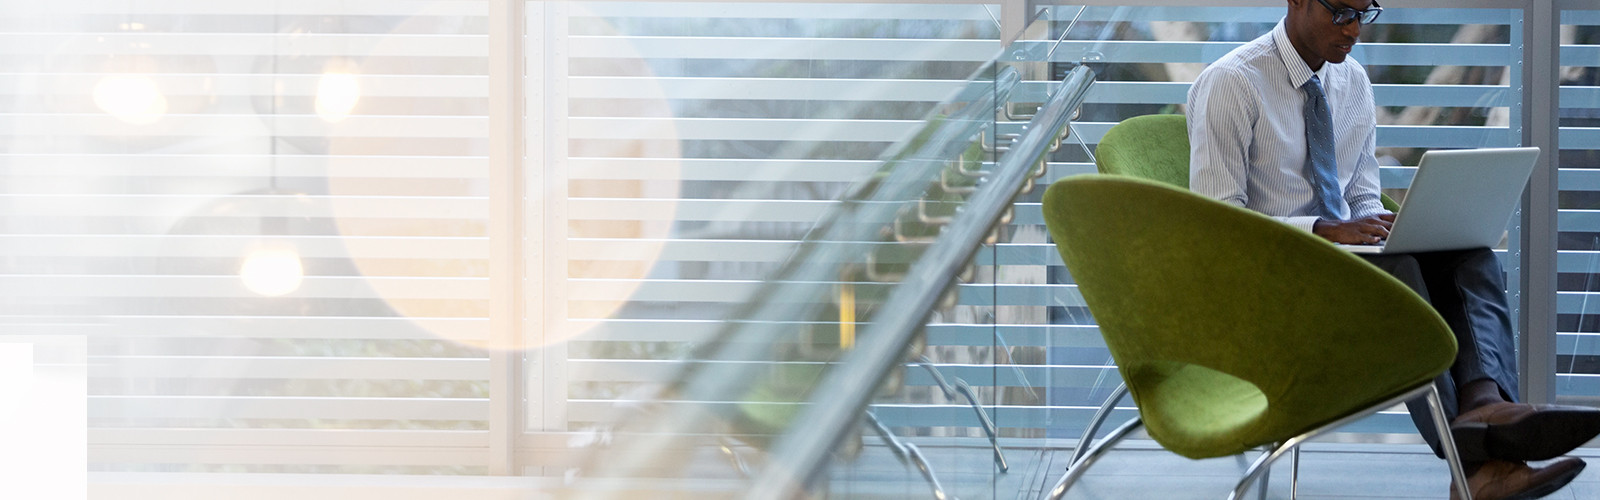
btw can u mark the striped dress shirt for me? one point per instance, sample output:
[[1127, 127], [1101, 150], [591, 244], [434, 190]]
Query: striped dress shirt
[[1247, 143]]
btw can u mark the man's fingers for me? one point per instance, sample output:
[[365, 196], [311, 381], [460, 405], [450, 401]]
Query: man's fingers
[[1372, 232]]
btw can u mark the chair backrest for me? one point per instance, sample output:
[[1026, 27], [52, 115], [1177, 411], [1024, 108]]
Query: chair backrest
[[1156, 147], [1221, 320]]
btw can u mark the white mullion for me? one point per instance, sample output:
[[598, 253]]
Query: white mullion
[[506, 233], [554, 194], [535, 50], [1540, 111]]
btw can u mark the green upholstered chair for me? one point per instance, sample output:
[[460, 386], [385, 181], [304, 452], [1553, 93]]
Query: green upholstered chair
[[1232, 330], [1156, 147]]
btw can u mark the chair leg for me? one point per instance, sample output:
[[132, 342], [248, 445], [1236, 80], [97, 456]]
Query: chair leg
[[1258, 470], [964, 390], [1294, 474], [1095, 422], [726, 445], [1452, 456], [988, 425], [1266, 477], [1076, 469], [908, 452]]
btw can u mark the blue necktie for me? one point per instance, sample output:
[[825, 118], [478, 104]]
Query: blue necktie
[[1321, 169]]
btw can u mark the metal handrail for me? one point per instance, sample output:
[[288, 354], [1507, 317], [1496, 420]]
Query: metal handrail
[[803, 451]]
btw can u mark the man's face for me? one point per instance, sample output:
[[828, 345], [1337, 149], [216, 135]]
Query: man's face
[[1315, 36]]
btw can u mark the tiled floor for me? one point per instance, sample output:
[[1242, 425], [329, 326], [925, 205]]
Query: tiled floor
[[1326, 472], [1140, 470]]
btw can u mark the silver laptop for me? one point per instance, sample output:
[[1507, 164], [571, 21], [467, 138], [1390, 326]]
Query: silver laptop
[[1459, 199]]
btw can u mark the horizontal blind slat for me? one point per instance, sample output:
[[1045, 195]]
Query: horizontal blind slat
[[1269, 15], [700, 210], [275, 8], [246, 165], [299, 327], [287, 367], [171, 286], [265, 84], [245, 44], [788, 11], [753, 47], [881, 90], [1371, 54], [779, 89], [594, 370], [289, 437], [746, 129], [720, 169], [224, 246], [246, 126], [250, 407], [310, 206]]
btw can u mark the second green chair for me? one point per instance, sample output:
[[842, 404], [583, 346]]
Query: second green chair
[[1156, 147]]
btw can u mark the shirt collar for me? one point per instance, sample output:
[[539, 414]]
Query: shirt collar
[[1298, 71]]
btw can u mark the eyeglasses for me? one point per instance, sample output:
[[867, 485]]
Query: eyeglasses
[[1344, 16]]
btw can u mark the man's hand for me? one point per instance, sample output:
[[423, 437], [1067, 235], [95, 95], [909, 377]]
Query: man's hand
[[1364, 231]]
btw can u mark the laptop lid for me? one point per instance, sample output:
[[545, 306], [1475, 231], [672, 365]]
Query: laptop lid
[[1459, 199]]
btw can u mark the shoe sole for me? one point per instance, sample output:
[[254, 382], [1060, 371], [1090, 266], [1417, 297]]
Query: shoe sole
[[1540, 436], [1550, 486]]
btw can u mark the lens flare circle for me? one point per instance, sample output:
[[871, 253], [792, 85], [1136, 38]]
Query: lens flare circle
[[272, 272], [337, 95], [131, 98]]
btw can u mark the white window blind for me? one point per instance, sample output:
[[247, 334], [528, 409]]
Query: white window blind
[[268, 217]]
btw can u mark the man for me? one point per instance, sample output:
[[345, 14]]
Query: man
[[1285, 125]]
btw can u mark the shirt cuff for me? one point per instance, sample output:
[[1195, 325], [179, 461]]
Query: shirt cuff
[[1306, 222]]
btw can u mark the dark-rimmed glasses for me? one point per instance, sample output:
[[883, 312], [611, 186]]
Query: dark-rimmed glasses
[[1344, 16]]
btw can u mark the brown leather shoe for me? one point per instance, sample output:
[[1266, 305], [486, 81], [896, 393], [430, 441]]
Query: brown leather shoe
[[1517, 431], [1502, 480]]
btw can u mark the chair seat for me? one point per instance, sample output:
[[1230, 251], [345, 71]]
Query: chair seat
[[1207, 409]]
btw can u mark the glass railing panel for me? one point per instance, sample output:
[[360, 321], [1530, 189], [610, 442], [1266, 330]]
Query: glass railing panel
[[745, 387], [778, 166], [1578, 222], [956, 435]]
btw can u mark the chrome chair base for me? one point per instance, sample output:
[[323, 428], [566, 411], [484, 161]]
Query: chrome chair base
[[1257, 472], [1095, 422], [962, 389]]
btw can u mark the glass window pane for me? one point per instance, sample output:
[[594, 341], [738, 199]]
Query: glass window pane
[[1578, 257]]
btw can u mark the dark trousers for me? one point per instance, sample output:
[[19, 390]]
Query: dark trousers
[[1467, 287]]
